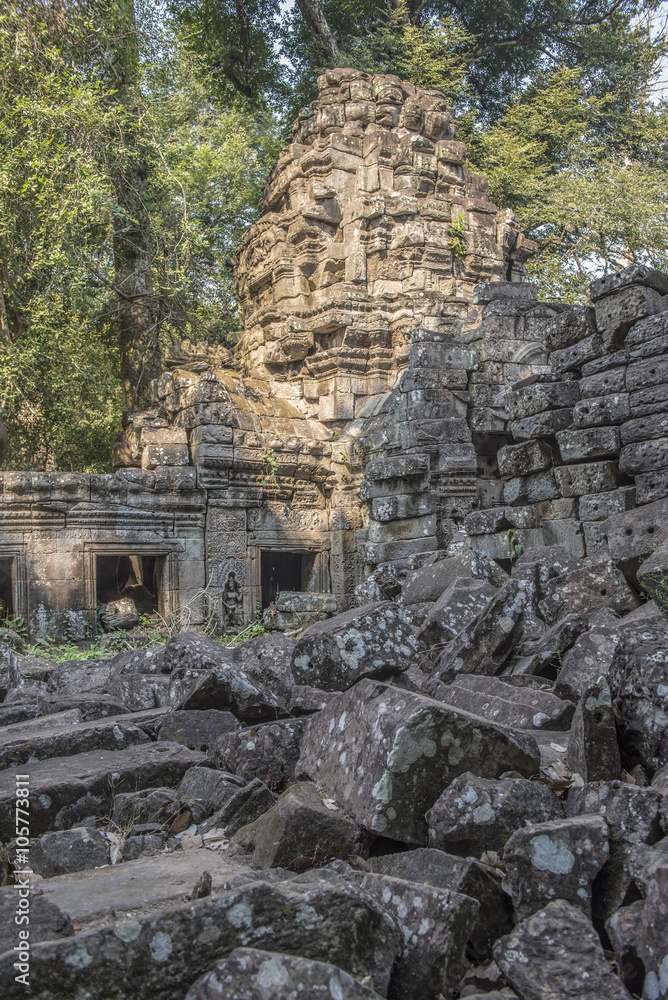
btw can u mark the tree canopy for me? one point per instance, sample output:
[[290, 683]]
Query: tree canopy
[[135, 137]]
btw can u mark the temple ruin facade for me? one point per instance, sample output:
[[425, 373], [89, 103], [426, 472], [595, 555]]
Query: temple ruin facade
[[396, 391]]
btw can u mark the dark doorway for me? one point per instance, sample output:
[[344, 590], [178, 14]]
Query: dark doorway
[[135, 576], [6, 589], [280, 571]]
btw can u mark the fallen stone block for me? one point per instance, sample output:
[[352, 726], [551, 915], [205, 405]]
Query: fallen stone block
[[301, 831], [452, 612], [199, 730], [10, 670], [58, 783], [484, 645], [251, 974], [269, 752], [651, 939], [593, 752], [47, 921], [162, 955], [149, 805], [66, 741], [463, 875], [435, 925], [373, 641], [509, 705], [555, 859], [430, 582], [639, 681], [551, 647], [69, 851], [244, 806], [597, 583], [474, 815], [385, 755], [555, 954]]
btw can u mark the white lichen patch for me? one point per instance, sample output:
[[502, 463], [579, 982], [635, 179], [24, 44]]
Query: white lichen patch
[[550, 856], [160, 946]]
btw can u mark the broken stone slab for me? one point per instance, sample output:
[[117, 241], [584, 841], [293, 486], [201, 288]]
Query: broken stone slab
[[555, 954], [58, 783], [593, 752], [148, 805], [597, 583], [587, 660], [551, 646], [639, 681], [429, 582], [483, 646], [206, 675], [622, 930], [373, 641], [199, 730], [139, 691], [452, 612], [636, 532], [225, 688], [435, 925], [651, 939], [652, 576], [10, 670], [251, 974], [47, 921], [242, 807], [493, 699], [207, 790], [544, 562], [65, 741], [474, 815], [162, 955], [302, 830], [11, 714], [269, 752], [69, 851], [555, 859], [633, 813], [463, 875], [385, 755]]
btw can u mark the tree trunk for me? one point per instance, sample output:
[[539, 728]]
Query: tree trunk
[[315, 18], [138, 333]]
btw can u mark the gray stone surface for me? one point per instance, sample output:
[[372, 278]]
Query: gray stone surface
[[66, 741], [557, 859], [474, 815], [385, 755], [639, 682], [252, 974], [47, 921], [372, 641], [483, 646], [269, 751], [301, 831], [430, 582], [435, 925], [160, 956], [58, 783], [556, 955], [199, 730], [584, 590], [593, 752], [452, 612], [463, 875], [69, 851]]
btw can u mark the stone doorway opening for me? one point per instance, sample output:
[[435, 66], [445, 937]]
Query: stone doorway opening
[[281, 571], [137, 576], [6, 589]]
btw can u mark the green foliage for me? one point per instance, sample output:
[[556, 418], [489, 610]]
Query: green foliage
[[63, 138], [590, 188], [458, 237]]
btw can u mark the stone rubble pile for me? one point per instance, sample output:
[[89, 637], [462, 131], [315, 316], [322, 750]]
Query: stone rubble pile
[[472, 804]]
